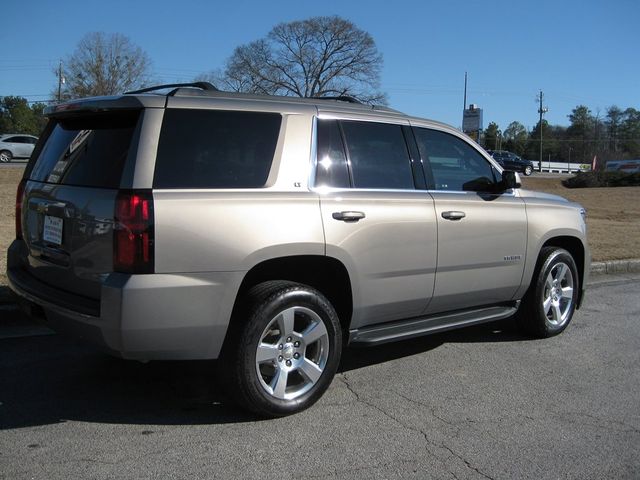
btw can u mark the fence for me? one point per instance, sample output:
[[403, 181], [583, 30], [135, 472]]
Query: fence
[[562, 167], [627, 166]]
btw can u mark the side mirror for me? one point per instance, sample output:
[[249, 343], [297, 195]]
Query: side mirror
[[509, 180]]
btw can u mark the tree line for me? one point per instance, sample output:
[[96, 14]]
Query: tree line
[[614, 136], [17, 116], [319, 56]]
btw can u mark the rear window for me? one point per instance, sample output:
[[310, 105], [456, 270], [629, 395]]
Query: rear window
[[215, 149], [88, 151]]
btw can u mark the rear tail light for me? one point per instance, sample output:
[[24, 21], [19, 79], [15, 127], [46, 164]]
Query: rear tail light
[[19, 195], [133, 232]]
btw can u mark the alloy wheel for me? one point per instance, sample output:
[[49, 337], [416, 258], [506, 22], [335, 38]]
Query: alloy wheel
[[557, 298], [292, 353]]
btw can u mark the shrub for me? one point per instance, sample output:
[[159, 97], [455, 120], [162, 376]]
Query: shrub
[[602, 179]]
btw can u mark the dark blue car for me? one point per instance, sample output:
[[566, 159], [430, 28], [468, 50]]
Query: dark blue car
[[511, 161]]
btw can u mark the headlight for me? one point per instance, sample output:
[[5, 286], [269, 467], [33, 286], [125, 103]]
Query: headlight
[[583, 213]]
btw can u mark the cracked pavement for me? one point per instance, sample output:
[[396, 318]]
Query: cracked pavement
[[479, 403]]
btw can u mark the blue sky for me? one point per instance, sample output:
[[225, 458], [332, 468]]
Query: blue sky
[[577, 52]]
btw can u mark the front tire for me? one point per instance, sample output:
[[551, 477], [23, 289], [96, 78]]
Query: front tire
[[528, 170], [549, 304], [283, 349]]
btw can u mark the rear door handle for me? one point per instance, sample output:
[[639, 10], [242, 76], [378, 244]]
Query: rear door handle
[[453, 215], [349, 216]]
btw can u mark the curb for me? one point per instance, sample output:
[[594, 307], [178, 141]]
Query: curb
[[612, 267]]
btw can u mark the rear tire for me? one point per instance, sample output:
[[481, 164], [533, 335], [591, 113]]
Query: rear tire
[[282, 350], [5, 156], [549, 304]]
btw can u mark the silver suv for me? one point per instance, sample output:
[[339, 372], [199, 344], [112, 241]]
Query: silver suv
[[269, 232]]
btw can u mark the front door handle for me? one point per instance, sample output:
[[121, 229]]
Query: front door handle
[[350, 216], [453, 215]]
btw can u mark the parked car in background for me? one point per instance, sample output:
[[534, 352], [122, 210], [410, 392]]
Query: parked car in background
[[13, 145], [511, 161]]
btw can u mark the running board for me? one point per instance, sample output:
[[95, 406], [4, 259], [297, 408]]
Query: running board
[[415, 327]]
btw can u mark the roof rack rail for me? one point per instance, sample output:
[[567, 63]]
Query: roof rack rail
[[341, 98], [201, 85]]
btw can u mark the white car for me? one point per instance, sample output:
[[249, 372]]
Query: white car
[[14, 145]]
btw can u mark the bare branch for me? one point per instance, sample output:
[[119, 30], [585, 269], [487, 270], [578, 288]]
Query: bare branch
[[105, 64], [308, 58]]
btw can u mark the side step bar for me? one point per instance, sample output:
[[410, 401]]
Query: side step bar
[[415, 327]]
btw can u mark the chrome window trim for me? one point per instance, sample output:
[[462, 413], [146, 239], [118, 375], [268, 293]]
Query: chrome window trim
[[511, 192], [320, 189], [311, 181], [324, 190]]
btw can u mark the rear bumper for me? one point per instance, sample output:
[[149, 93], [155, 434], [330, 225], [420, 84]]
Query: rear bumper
[[142, 317]]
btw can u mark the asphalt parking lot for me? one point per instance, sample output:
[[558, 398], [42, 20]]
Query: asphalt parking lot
[[483, 402]]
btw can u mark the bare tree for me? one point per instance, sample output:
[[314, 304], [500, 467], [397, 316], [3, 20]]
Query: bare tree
[[104, 64], [320, 56]]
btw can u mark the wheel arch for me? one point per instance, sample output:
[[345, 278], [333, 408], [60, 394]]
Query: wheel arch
[[326, 274], [577, 250]]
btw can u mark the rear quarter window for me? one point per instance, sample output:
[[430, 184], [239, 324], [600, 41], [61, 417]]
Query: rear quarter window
[[215, 149]]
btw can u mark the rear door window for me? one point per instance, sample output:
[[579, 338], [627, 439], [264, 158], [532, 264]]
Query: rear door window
[[88, 151], [378, 155], [215, 149]]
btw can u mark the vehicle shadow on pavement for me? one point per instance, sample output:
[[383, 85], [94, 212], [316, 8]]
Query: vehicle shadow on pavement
[[50, 379], [7, 295], [501, 331]]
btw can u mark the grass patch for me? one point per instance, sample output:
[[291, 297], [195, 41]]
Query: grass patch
[[613, 215], [9, 179]]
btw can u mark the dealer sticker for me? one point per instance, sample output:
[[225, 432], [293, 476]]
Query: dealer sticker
[[52, 232]]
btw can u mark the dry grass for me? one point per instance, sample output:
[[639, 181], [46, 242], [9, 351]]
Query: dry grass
[[9, 178], [613, 215]]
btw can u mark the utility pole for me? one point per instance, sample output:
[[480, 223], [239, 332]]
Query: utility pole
[[464, 107], [60, 82], [542, 110]]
